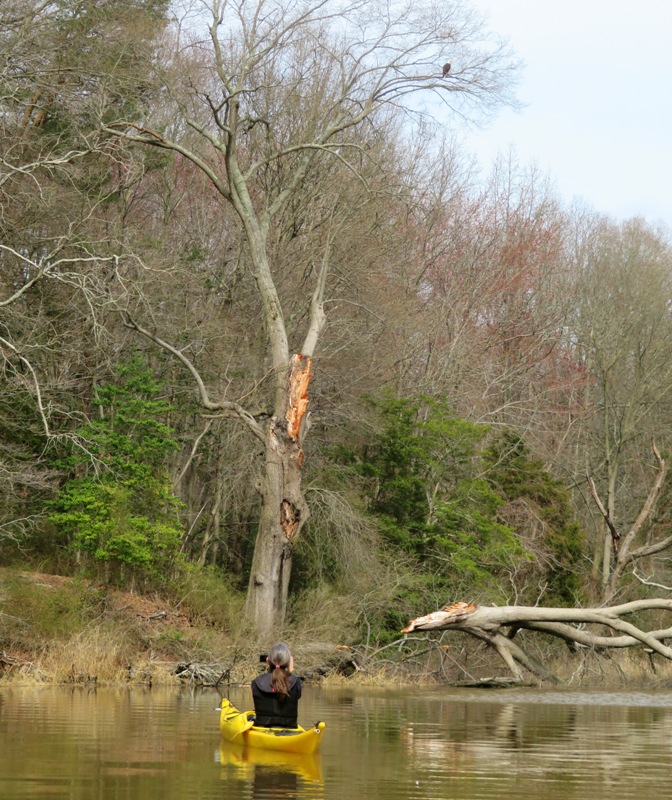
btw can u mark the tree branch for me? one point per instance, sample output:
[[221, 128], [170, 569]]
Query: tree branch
[[615, 535], [229, 406], [490, 624], [194, 448], [648, 505]]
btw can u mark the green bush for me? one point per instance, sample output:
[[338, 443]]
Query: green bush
[[122, 514], [427, 489], [462, 513], [516, 475]]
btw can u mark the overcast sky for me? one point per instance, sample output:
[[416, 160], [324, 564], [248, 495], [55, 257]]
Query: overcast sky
[[597, 89]]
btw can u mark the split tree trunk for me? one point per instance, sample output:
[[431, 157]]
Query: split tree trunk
[[284, 509], [625, 553]]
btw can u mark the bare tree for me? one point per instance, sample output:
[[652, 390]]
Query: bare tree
[[624, 552], [53, 169], [622, 334], [497, 297], [275, 90]]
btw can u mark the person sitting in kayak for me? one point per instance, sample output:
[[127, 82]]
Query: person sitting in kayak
[[276, 692]]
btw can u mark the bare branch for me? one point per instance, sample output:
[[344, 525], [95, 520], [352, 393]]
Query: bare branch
[[651, 583], [647, 508], [193, 452], [615, 535], [317, 313], [154, 139], [229, 406], [36, 384], [490, 624]]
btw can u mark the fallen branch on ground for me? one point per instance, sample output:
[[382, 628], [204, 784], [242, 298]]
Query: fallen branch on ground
[[497, 626]]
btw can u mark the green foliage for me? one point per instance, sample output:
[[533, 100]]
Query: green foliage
[[430, 496], [517, 475], [450, 510], [123, 512]]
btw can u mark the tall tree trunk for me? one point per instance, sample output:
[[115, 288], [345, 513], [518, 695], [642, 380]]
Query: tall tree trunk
[[284, 509]]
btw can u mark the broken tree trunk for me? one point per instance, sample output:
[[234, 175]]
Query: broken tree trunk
[[284, 510], [497, 626]]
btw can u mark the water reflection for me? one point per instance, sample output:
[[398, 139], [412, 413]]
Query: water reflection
[[272, 774], [129, 744]]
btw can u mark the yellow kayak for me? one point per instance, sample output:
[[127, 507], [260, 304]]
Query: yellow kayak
[[238, 726]]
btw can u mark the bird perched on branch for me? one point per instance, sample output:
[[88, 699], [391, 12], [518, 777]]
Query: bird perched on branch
[[446, 68]]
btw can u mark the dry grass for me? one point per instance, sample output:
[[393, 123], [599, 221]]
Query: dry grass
[[58, 630], [631, 668], [378, 677], [102, 655]]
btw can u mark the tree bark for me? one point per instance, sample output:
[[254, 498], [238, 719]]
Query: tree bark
[[497, 626], [284, 509]]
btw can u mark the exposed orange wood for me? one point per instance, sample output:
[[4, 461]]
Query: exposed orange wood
[[300, 367], [455, 612], [289, 519]]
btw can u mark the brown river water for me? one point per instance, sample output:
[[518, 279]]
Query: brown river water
[[443, 744]]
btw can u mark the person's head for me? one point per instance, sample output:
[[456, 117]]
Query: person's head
[[280, 657], [280, 664]]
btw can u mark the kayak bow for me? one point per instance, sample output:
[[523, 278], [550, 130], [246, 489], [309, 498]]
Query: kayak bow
[[238, 726]]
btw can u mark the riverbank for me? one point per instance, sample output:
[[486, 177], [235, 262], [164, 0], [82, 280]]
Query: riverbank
[[63, 630]]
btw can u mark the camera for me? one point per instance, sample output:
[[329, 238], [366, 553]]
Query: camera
[[263, 658]]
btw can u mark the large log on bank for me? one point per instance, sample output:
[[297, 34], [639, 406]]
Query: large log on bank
[[498, 625]]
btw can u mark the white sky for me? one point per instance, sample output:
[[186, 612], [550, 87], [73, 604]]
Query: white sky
[[597, 89]]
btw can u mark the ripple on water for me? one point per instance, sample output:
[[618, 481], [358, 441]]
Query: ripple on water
[[452, 745]]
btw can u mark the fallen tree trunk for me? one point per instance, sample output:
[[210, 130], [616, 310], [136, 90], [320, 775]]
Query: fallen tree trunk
[[498, 625]]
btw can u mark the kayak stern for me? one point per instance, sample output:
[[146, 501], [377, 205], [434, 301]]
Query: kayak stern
[[238, 726]]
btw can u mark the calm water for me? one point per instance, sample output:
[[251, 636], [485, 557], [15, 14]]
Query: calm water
[[438, 745]]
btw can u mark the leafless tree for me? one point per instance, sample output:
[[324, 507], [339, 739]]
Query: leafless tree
[[272, 91], [622, 335], [53, 164]]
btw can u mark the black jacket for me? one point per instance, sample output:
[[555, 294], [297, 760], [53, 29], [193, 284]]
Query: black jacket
[[273, 711]]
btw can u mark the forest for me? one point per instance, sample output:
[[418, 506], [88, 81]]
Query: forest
[[268, 334]]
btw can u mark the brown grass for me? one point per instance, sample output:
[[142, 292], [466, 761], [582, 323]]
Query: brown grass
[[65, 631]]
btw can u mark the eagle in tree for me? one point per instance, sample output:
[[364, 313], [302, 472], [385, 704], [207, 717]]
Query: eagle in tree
[[446, 68]]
